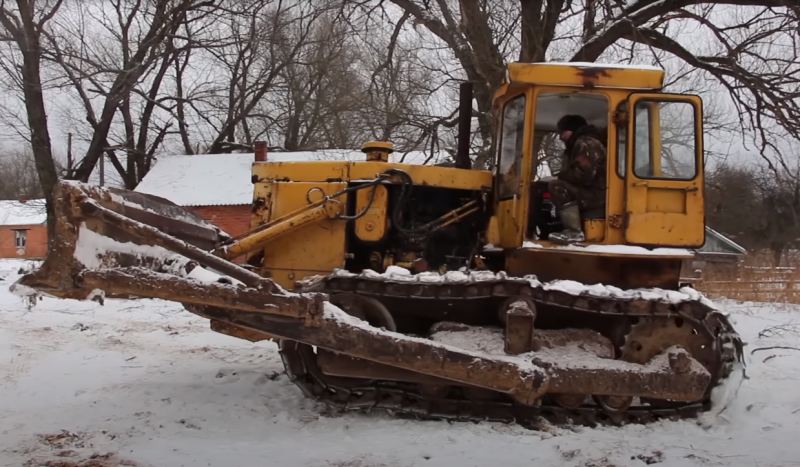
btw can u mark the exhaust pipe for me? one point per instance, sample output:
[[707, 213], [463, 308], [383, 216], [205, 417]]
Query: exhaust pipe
[[464, 126]]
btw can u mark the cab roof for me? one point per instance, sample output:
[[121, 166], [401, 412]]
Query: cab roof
[[584, 75]]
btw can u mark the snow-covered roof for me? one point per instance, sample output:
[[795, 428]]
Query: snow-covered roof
[[224, 179], [622, 66], [14, 212]]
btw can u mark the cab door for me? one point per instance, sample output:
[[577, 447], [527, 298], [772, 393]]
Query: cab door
[[664, 174], [512, 177]]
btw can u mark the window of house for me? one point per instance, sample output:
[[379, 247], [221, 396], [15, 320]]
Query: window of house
[[20, 238]]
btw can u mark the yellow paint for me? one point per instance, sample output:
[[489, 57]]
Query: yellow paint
[[315, 248], [594, 230], [290, 223], [543, 74], [377, 151], [665, 211], [512, 211], [493, 232], [371, 227], [264, 192], [666, 200]]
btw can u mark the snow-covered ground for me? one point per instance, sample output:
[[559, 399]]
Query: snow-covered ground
[[146, 383]]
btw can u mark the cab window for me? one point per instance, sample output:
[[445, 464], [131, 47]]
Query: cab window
[[509, 167], [641, 155], [665, 141]]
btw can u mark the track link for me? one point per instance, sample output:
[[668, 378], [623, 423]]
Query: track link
[[407, 399]]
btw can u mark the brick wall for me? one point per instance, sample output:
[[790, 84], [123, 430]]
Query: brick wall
[[36, 241], [231, 219]]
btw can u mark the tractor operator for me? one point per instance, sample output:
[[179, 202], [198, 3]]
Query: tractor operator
[[581, 185]]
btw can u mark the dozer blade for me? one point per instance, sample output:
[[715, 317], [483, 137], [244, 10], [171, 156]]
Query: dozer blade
[[121, 243]]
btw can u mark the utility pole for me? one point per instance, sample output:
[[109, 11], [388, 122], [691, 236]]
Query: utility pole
[[69, 155]]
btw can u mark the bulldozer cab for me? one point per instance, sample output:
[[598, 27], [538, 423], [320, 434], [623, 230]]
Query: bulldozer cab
[[654, 148]]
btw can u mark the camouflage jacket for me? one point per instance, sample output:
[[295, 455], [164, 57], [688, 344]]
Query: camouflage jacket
[[585, 160]]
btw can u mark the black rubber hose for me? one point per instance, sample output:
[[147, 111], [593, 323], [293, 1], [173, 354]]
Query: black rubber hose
[[405, 193]]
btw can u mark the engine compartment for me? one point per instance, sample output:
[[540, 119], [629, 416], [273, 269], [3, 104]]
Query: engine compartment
[[414, 239]]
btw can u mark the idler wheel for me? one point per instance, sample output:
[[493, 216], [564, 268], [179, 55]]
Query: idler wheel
[[614, 404], [366, 308]]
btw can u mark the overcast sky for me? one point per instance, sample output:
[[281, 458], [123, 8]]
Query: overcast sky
[[66, 115]]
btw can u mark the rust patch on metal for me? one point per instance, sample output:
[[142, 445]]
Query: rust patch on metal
[[654, 380], [584, 339], [625, 272], [519, 313], [616, 221], [238, 331], [590, 75], [651, 337], [337, 364]]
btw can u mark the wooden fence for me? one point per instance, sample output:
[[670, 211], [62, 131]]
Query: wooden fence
[[750, 283]]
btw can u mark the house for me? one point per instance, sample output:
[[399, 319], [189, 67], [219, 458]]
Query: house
[[23, 229]]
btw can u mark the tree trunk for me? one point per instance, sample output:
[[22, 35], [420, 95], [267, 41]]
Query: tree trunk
[[37, 115]]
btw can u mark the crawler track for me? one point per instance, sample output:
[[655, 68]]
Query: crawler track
[[409, 399]]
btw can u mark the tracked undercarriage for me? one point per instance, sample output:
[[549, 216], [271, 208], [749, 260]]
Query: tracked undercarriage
[[657, 329]]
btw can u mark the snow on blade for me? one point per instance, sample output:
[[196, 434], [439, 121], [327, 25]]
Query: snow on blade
[[207, 276], [91, 247], [174, 211], [23, 290]]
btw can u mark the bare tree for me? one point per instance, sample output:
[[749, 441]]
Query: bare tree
[[18, 175], [22, 25], [260, 39], [318, 86], [752, 206], [747, 47], [110, 54]]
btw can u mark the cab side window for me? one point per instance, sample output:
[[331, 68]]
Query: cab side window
[[509, 169], [664, 141], [671, 153], [641, 139]]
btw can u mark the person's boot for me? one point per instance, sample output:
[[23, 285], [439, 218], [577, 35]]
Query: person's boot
[[570, 215]]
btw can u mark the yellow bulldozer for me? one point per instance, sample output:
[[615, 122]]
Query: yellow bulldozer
[[432, 290]]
